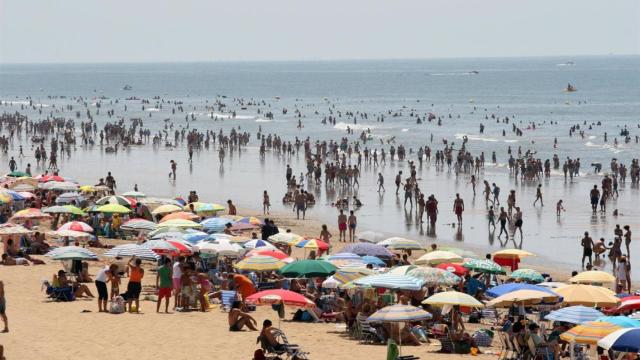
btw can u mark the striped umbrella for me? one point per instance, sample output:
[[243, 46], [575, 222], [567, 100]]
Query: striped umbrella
[[184, 248], [457, 269], [434, 276], [589, 332], [574, 314], [74, 249], [115, 199], [180, 223], [194, 236], [398, 243], [438, 257], [453, 298], [388, 281], [258, 244], [483, 266], [161, 247], [128, 250], [259, 263], [346, 257], [399, 313], [626, 304], [528, 275], [250, 220], [76, 226], [214, 224], [624, 340], [73, 255], [346, 275], [139, 224], [621, 321], [221, 248], [313, 244], [286, 238]]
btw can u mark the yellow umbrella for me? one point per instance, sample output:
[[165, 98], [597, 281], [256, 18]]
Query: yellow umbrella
[[589, 332], [286, 238], [166, 209], [513, 253], [587, 295], [179, 223], [524, 297], [260, 263], [438, 257], [593, 276], [453, 298], [87, 188], [113, 208]]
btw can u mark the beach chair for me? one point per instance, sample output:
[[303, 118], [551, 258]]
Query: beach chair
[[227, 298], [364, 332], [506, 347], [290, 351], [490, 314], [60, 294]]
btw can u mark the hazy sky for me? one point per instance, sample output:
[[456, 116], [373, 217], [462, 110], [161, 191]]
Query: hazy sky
[[209, 30]]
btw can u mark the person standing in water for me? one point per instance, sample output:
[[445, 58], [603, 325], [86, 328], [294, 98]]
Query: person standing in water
[[380, 182], [342, 226], [595, 196], [502, 218], [266, 203], [458, 208], [353, 222], [517, 222], [587, 248], [538, 195], [174, 167]]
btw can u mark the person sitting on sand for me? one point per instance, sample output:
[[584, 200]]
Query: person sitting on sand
[[239, 319], [268, 336], [61, 281]]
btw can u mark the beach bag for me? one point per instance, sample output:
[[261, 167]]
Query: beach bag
[[117, 305]]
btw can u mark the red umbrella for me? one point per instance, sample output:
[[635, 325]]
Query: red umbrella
[[47, 178], [626, 304], [76, 226], [454, 268], [183, 249], [277, 296], [266, 252]]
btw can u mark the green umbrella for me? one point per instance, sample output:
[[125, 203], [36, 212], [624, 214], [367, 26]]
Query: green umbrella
[[528, 275], [73, 255], [308, 268], [483, 266], [75, 210], [18, 174]]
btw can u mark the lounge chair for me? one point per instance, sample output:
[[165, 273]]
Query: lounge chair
[[538, 353], [290, 351], [59, 293], [227, 297], [364, 331]]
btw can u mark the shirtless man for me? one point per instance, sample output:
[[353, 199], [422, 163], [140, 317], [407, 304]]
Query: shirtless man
[[239, 319], [538, 195], [353, 222], [587, 248], [342, 226], [458, 208]]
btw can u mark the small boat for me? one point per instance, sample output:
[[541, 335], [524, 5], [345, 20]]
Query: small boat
[[127, 87], [570, 88], [474, 72]]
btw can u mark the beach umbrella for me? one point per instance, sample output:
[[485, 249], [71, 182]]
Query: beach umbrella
[[453, 298], [273, 253], [457, 269], [5, 198], [70, 249], [194, 236], [589, 332], [26, 194], [180, 215], [398, 243], [434, 276], [527, 275], [330, 283], [30, 213], [484, 266], [18, 174], [345, 276], [113, 209], [464, 253], [221, 248], [621, 321], [13, 229], [161, 247], [574, 314], [69, 234], [438, 257], [21, 187], [513, 253], [313, 244], [169, 235], [258, 244], [308, 268], [47, 178], [375, 261], [76, 226], [165, 209], [162, 230], [503, 289], [523, 297], [552, 284], [75, 210], [370, 236], [69, 198], [366, 249], [344, 257], [200, 207], [238, 226], [87, 188], [259, 263], [134, 194], [390, 281], [180, 223], [59, 186], [401, 270], [587, 295], [399, 313], [250, 220], [623, 340], [593, 276], [286, 238], [626, 304], [73, 255], [280, 296], [138, 225], [129, 250], [56, 209], [15, 196], [115, 199], [214, 224]]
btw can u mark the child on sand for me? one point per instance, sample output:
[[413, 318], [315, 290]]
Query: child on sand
[[559, 208]]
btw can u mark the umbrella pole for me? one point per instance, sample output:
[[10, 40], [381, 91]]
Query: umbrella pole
[[400, 338]]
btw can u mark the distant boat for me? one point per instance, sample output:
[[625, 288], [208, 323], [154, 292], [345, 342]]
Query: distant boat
[[127, 87], [474, 72], [570, 88], [568, 63]]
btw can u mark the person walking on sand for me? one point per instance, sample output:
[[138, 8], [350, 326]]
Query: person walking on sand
[[174, 167], [380, 182], [595, 196], [502, 218], [398, 182], [342, 226], [353, 222], [492, 218], [458, 208], [164, 284], [325, 236], [517, 222], [3, 308], [538, 195], [265, 203], [587, 248]]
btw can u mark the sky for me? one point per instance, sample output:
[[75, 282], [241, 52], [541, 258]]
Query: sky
[[89, 31]]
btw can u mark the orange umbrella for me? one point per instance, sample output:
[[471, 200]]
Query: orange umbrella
[[182, 215]]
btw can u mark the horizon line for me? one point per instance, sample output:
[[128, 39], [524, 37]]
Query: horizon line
[[2, 63]]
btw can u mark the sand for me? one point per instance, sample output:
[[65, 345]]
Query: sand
[[41, 329]]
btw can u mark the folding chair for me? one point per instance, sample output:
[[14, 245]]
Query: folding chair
[[227, 298]]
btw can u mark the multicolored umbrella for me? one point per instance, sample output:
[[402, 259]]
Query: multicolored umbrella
[[344, 257], [623, 340], [401, 270], [113, 209], [280, 296], [71, 249], [14, 194], [366, 249], [589, 332], [438, 257], [59, 186], [574, 314], [503, 289], [180, 215], [129, 250], [75, 210], [199, 207], [30, 213], [286, 238], [523, 297], [273, 253], [399, 313], [484, 266], [390, 281], [258, 244], [347, 275], [138, 224], [220, 249], [527, 275], [313, 244], [434, 276], [453, 298], [259, 263], [454, 268], [621, 321], [626, 304], [76, 226], [308, 268], [214, 224], [115, 199], [161, 247]]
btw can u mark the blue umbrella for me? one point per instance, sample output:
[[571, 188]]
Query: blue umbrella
[[14, 195], [344, 257], [364, 249], [500, 290], [195, 236], [623, 321], [214, 224], [373, 261], [575, 314], [389, 281], [624, 340]]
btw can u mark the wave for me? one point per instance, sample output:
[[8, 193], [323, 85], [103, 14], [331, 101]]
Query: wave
[[151, 109], [452, 74], [261, 120], [613, 149], [343, 126], [475, 138]]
